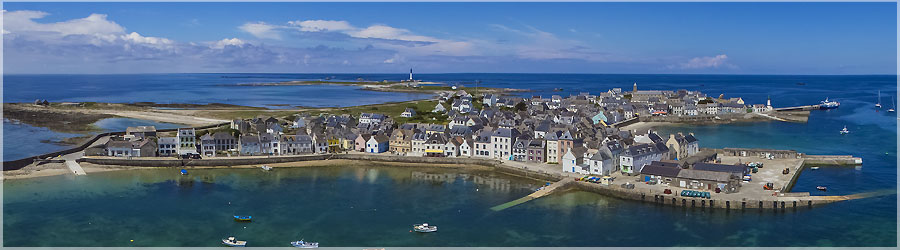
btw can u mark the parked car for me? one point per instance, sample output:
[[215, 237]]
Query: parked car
[[667, 191]]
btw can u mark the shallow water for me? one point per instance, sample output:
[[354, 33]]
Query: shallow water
[[376, 205]]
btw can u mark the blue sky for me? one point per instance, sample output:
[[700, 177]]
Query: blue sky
[[652, 38]]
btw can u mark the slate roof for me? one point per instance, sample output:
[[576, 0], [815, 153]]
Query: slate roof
[[660, 170]]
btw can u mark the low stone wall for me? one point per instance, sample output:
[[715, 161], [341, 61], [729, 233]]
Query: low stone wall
[[235, 161], [673, 199]]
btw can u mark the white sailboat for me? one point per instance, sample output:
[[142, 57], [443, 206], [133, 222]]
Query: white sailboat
[[878, 105], [892, 105]]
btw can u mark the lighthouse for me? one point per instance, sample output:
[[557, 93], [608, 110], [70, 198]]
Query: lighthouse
[[635, 88], [410, 74]]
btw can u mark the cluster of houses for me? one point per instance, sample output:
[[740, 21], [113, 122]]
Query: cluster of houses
[[571, 132], [619, 105]]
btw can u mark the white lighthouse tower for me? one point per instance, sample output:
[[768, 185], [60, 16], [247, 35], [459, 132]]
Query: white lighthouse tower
[[410, 74]]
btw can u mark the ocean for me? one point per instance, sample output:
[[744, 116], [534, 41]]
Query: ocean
[[569, 219]]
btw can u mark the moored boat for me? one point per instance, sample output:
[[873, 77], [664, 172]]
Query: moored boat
[[243, 218], [826, 104], [424, 228], [183, 172], [233, 242], [822, 188], [305, 244], [266, 168]]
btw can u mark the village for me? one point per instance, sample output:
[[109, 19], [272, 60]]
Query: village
[[579, 135]]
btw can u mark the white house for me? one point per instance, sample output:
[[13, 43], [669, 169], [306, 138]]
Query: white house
[[439, 108], [573, 162], [187, 142], [467, 147], [502, 142], [409, 112]]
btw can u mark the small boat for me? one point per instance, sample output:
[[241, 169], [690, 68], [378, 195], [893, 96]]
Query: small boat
[[892, 105], [826, 104], [845, 131], [183, 172], [304, 244], [822, 188], [814, 168], [424, 228], [243, 218], [801, 83], [266, 168], [232, 242]]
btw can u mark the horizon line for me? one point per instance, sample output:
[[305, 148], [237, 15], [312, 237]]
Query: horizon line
[[519, 73]]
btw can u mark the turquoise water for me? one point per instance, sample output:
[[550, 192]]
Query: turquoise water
[[376, 205]]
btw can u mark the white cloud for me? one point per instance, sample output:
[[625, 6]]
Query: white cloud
[[23, 21], [705, 62], [322, 25], [395, 58], [228, 42], [261, 30]]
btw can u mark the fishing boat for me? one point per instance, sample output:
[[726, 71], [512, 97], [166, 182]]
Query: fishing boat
[[424, 228], [183, 172], [266, 168], [826, 104], [232, 242], [845, 131], [305, 244], [243, 218], [822, 188], [814, 168], [878, 105]]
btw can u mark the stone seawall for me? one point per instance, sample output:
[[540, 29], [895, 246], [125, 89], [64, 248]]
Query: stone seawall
[[236, 161], [647, 196]]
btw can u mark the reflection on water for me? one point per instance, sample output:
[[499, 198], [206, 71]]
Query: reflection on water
[[367, 205]]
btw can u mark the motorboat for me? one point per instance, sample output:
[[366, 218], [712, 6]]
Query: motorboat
[[424, 228], [826, 104], [184, 172], [845, 131], [266, 168], [245, 218], [304, 244], [822, 188], [814, 168], [232, 242]]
